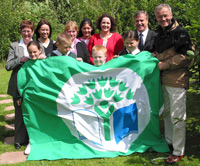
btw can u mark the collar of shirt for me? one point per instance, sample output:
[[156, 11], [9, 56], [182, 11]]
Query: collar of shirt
[[144, 35], [58, 53], [73, 46], [21, 44], [45, 44], [134, 52]]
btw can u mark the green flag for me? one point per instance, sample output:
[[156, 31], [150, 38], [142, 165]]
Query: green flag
[[75, 110]]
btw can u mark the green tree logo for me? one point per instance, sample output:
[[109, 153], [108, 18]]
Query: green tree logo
[[113, 93]]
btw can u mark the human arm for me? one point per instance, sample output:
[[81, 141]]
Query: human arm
[[86, 54], [115, 56], [90, 45], [82, 52], [79, 59], [170, 59], [119, 46], [42, 56], [14, 59]]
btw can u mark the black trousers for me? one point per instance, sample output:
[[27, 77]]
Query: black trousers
[[21, 135]]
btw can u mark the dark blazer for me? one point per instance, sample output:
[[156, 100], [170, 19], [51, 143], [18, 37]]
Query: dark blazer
[[149, 43], [71, 54], [14, 64], [82, 52], [123, 52]]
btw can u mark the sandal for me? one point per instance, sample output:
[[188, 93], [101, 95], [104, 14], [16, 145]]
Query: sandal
[[173, 159]]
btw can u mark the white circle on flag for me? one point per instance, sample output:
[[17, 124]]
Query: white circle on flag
[[87, 125]]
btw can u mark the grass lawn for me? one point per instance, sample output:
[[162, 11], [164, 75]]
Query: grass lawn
[[192, 155]]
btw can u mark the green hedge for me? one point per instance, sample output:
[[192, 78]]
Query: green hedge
[[57, 12]]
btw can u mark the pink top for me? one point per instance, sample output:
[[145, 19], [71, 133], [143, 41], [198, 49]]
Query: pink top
[[114, 45], [85, 40]]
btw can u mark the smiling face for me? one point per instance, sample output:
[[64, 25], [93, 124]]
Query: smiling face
[[105, 24], [99, 58], [164, 16], [72, 33], [86, 30], [141, 22], [27, 34], [130, 44], [44, 31], [34, 52]]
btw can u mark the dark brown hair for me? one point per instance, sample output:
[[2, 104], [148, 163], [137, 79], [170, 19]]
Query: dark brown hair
[[83, 22], [131, 34], [35, 43], [28, 24], [112, 20], [42, 22]]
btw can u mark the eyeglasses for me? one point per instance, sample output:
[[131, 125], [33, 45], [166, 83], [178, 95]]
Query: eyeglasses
[[69, 47], [26, 31]]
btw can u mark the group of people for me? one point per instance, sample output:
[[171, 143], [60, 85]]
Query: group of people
[[169, 44]]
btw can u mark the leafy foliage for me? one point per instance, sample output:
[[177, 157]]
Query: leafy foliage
[[12, 12], [58, 12]]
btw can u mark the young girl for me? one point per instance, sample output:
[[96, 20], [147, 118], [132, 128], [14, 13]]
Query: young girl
[[34, 49], [131, 41], [35, 52], [86, 30]]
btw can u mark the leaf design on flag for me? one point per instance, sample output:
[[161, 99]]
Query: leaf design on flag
[[130, 94], [98, 94], [113, 82], [91, 84], [76, 99], [102, 82], [103, 104], [89, 100], [117, 97], [122, 86], [82, 91], [108, 92]]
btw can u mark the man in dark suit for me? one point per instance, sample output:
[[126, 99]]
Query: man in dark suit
[[146, 35]]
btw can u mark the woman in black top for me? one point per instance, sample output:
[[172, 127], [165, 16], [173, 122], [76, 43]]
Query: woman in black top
[[43, 35]]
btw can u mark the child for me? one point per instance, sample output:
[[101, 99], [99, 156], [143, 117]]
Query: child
[[86, 30], [34, 49], [99, 55], [131, 41], [63, 44]]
